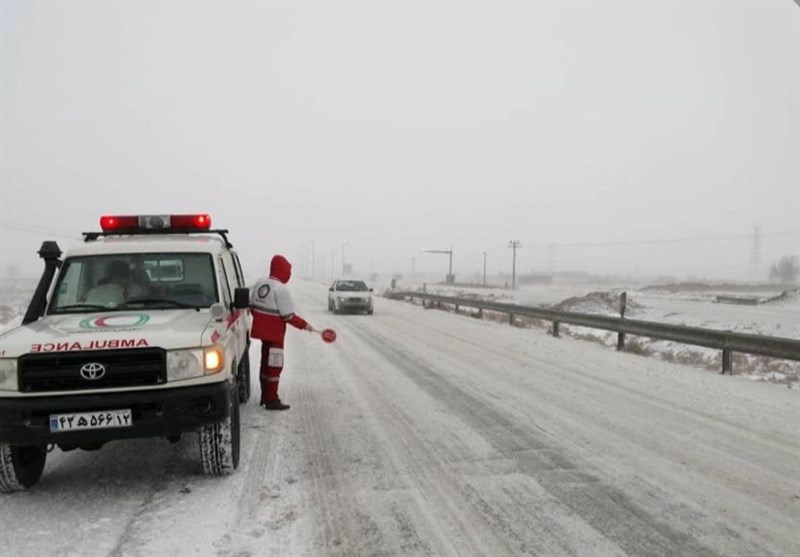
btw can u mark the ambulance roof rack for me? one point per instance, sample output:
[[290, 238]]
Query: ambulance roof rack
[[136, 225], [92, 236]]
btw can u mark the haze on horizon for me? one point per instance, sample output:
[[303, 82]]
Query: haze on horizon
[[618, 138]]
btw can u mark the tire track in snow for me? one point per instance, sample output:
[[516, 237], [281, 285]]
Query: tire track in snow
[[259, 509], [332, 492], [604, 507], [434, 517], [747, 465]]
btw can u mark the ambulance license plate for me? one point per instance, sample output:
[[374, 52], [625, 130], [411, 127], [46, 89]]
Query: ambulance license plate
[[90, 420]]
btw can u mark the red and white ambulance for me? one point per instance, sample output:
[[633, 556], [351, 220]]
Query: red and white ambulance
[[140, 331]]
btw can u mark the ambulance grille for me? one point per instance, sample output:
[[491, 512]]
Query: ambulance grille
[[102, 369]]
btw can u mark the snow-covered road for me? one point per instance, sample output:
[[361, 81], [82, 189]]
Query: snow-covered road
[[425, 433]]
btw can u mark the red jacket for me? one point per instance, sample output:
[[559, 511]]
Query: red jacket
[[271, 304]]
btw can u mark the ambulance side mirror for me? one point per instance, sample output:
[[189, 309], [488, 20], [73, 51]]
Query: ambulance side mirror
[[218, 311], [241, 298]]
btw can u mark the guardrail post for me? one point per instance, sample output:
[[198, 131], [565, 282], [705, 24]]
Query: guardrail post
[[727, 362], [623, 304], [456, 308], [480, 313], [510, 318], [438, 304], [555, 328]]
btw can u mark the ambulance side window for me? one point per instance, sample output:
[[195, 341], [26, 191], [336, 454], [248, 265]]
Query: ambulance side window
[[238, 268], [224, 283], [68, 287], [229, 265]]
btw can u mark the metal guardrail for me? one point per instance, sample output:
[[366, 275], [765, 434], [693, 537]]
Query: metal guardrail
[[728, 342]]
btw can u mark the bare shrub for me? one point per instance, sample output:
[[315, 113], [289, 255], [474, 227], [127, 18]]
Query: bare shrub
[[639, 346]]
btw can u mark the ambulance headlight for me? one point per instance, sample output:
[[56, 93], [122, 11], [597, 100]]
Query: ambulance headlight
[[213, 359], [8, 374], [184, 364]]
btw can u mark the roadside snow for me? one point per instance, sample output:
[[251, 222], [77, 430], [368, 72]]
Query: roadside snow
[[697, 308]]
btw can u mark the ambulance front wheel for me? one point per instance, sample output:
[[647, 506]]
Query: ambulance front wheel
[[220, 442], [20, 466]]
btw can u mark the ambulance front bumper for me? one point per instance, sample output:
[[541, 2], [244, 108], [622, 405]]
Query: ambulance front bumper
[[153, 413]]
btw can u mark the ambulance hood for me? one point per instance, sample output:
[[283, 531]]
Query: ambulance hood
[[168, 329]]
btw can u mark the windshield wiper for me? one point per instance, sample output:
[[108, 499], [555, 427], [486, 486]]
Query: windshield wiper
[[79, 306], [173, 303]]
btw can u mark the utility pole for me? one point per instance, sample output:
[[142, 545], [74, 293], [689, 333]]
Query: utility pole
[[514, 245], [484, 268], [755, 258], [450, 278], [343, 245]]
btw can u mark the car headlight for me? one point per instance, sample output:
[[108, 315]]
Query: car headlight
[[184, 364], [8, 374]]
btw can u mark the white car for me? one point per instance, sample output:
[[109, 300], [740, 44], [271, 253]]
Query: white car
[[142, 330], [346, 295]]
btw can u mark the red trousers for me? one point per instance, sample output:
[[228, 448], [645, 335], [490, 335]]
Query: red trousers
[[270, 371]]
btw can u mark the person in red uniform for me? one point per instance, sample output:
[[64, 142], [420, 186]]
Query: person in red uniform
[[272, 308]]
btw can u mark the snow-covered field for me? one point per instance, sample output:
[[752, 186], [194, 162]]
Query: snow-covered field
[[680, 306], [424, 433]]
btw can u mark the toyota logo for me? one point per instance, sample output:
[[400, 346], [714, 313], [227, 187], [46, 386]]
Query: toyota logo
[[92, 371]]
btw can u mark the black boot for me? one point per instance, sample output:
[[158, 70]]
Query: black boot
[[275, 405]]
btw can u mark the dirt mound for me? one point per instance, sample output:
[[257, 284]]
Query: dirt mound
[[787, 295], [605, 303], [490, 297], [678, 287]]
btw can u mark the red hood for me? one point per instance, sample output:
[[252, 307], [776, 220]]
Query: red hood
[[280, 268]]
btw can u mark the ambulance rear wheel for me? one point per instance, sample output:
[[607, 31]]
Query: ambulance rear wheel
[[20, 466]]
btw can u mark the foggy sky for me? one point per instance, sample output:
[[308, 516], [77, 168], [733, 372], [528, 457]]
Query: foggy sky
[[392, 127]]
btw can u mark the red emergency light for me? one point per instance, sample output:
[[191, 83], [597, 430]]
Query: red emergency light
[[118, 223], [154, 223], [201, 222]]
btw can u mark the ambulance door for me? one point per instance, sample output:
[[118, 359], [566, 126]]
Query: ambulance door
[[236, 319]]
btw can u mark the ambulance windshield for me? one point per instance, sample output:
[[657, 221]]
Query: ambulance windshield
[[135, 281]]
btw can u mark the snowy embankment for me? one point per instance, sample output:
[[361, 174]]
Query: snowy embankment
[[673, 305], [424, 433], [15, 294]]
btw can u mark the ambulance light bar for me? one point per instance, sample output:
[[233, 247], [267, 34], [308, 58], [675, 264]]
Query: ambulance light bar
[[155, 223]]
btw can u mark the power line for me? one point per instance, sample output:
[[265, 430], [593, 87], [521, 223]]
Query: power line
[[41, 231]]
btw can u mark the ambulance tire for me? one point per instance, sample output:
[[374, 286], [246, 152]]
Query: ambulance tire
[[220, 442], [244, 378], [20, 466]]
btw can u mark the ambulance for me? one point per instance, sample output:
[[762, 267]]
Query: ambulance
[[141, 330]]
